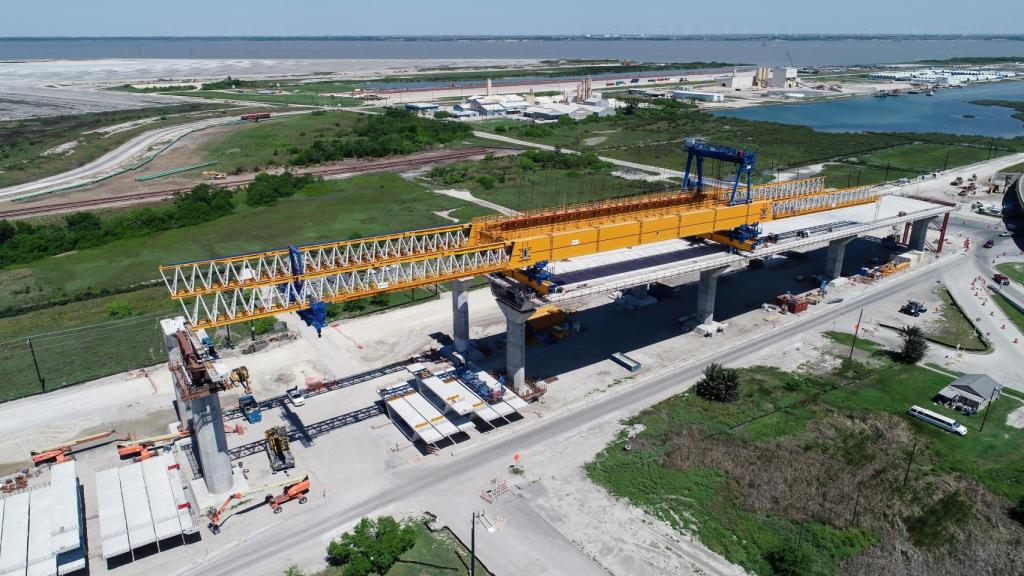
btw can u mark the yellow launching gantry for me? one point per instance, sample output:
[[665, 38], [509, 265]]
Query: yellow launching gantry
[[304, 279]]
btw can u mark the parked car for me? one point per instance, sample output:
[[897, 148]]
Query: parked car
[[1001, 279], [913, 308], [988, 244], [296, 396]]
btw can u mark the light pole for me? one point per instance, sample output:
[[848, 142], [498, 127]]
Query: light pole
[[472, 544]]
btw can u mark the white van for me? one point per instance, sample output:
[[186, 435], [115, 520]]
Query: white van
[[938, 420]]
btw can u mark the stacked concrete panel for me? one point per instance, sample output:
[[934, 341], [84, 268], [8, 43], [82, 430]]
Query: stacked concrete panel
[[181, 501], [113, 527], [41, 560], [161, 501], [136, 506], [14, 547]]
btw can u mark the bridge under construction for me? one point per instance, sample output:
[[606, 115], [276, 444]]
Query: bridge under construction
[[524, 256]]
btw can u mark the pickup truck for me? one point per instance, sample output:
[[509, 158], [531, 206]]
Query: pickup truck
[[250, 408]]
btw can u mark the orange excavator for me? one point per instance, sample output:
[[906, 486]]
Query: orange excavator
[[143, 449], [62, 452], [293, 490]]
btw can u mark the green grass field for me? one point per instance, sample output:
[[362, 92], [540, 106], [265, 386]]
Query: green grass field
[[954, 329], [690, 466], [924, 158], [300, 99], [24, 142], [267, 143], [1011, 311], [1013, 270], [359, 206]]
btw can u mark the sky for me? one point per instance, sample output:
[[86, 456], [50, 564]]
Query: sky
[[483, 17]]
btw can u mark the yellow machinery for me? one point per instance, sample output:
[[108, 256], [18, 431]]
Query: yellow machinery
[[303, 279]]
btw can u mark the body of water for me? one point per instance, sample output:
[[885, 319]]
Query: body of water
[[948, 111], [804, 52]]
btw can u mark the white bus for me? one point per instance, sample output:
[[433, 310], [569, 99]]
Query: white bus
[[947, 424]]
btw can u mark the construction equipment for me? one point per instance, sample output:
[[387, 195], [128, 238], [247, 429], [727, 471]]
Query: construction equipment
[[143, 449], [305, 279], [197, 375], [212, 175], [240, 377], [293, 489], [250, 408], [278, 450], [698, 150], [255, 117], [62, 452]]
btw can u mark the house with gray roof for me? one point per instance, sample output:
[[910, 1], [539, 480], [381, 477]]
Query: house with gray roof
[[971, 390]]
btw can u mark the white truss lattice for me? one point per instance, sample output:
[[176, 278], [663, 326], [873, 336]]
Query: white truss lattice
[[269, 267], [238, 304]]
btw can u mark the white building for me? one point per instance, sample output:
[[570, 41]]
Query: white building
[[783, 77], [498, 105], [695, 95]]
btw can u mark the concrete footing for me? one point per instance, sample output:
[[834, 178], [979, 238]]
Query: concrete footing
[[515, 346], [706, 294], [836, 253], [460, 314]]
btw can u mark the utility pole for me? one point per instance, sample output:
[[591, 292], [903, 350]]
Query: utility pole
[[988, 407], [39, 375], [886, 177], [856, 503], [472, 546], [856, 331], [946, 162]]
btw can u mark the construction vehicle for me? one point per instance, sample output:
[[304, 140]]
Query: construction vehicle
[[256, 117], [957, 181], [211, 175], [293, 490], [250, 408], [240, 377], [145, 448], [62, 452], [278, 450]]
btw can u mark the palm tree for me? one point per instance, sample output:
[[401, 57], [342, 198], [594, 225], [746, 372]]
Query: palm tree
[[914, 345]]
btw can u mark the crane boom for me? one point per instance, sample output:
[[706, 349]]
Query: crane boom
[[303, 279]]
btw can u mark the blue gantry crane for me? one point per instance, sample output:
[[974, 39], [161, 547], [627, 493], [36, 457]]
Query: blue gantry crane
[[697, 149]]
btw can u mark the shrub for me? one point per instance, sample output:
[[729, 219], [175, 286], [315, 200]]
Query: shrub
[[790, 560], [373, 546], [1017, 512], [719, 384], [485, 181], [120, 309]]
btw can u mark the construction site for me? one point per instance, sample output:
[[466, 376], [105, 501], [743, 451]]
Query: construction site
[[316, 428]]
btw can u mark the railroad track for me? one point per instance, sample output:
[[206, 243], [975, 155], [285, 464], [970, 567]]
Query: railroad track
[[376, 166]]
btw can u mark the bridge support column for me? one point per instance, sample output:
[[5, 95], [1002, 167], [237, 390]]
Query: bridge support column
[[836, 253], [706, 294], [211, 443], [919, 233], [460, 314], [515, 346]]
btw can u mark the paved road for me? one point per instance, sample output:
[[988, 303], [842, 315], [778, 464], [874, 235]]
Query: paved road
[[131, 152], [263, 552]]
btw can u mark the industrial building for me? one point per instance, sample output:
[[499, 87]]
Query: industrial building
[[944, 77], [697, 95]]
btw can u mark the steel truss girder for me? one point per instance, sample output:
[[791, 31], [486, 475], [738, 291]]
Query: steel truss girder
[[826, 201], [266, 268], [239, 304]]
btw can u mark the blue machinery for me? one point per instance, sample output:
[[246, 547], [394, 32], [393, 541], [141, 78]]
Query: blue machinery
[[316, 314], [699, 149]]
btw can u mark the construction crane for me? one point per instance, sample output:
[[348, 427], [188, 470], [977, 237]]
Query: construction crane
[[293, 490], [278, 450], [62, 452], [305, 279], [697, 149]]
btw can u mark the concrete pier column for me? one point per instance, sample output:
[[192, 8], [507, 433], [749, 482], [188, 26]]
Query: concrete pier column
[[170, 327], [706, 294], [515, 346], [834, 260], [460, 314], [919, 233], [211, 444]]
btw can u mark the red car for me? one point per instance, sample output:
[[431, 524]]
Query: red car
[[989, 244]]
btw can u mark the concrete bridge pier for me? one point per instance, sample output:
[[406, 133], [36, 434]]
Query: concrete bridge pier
[[515, 346], [706, 294], [836, 253], [460, 314], [919, 233], [211, 443]]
